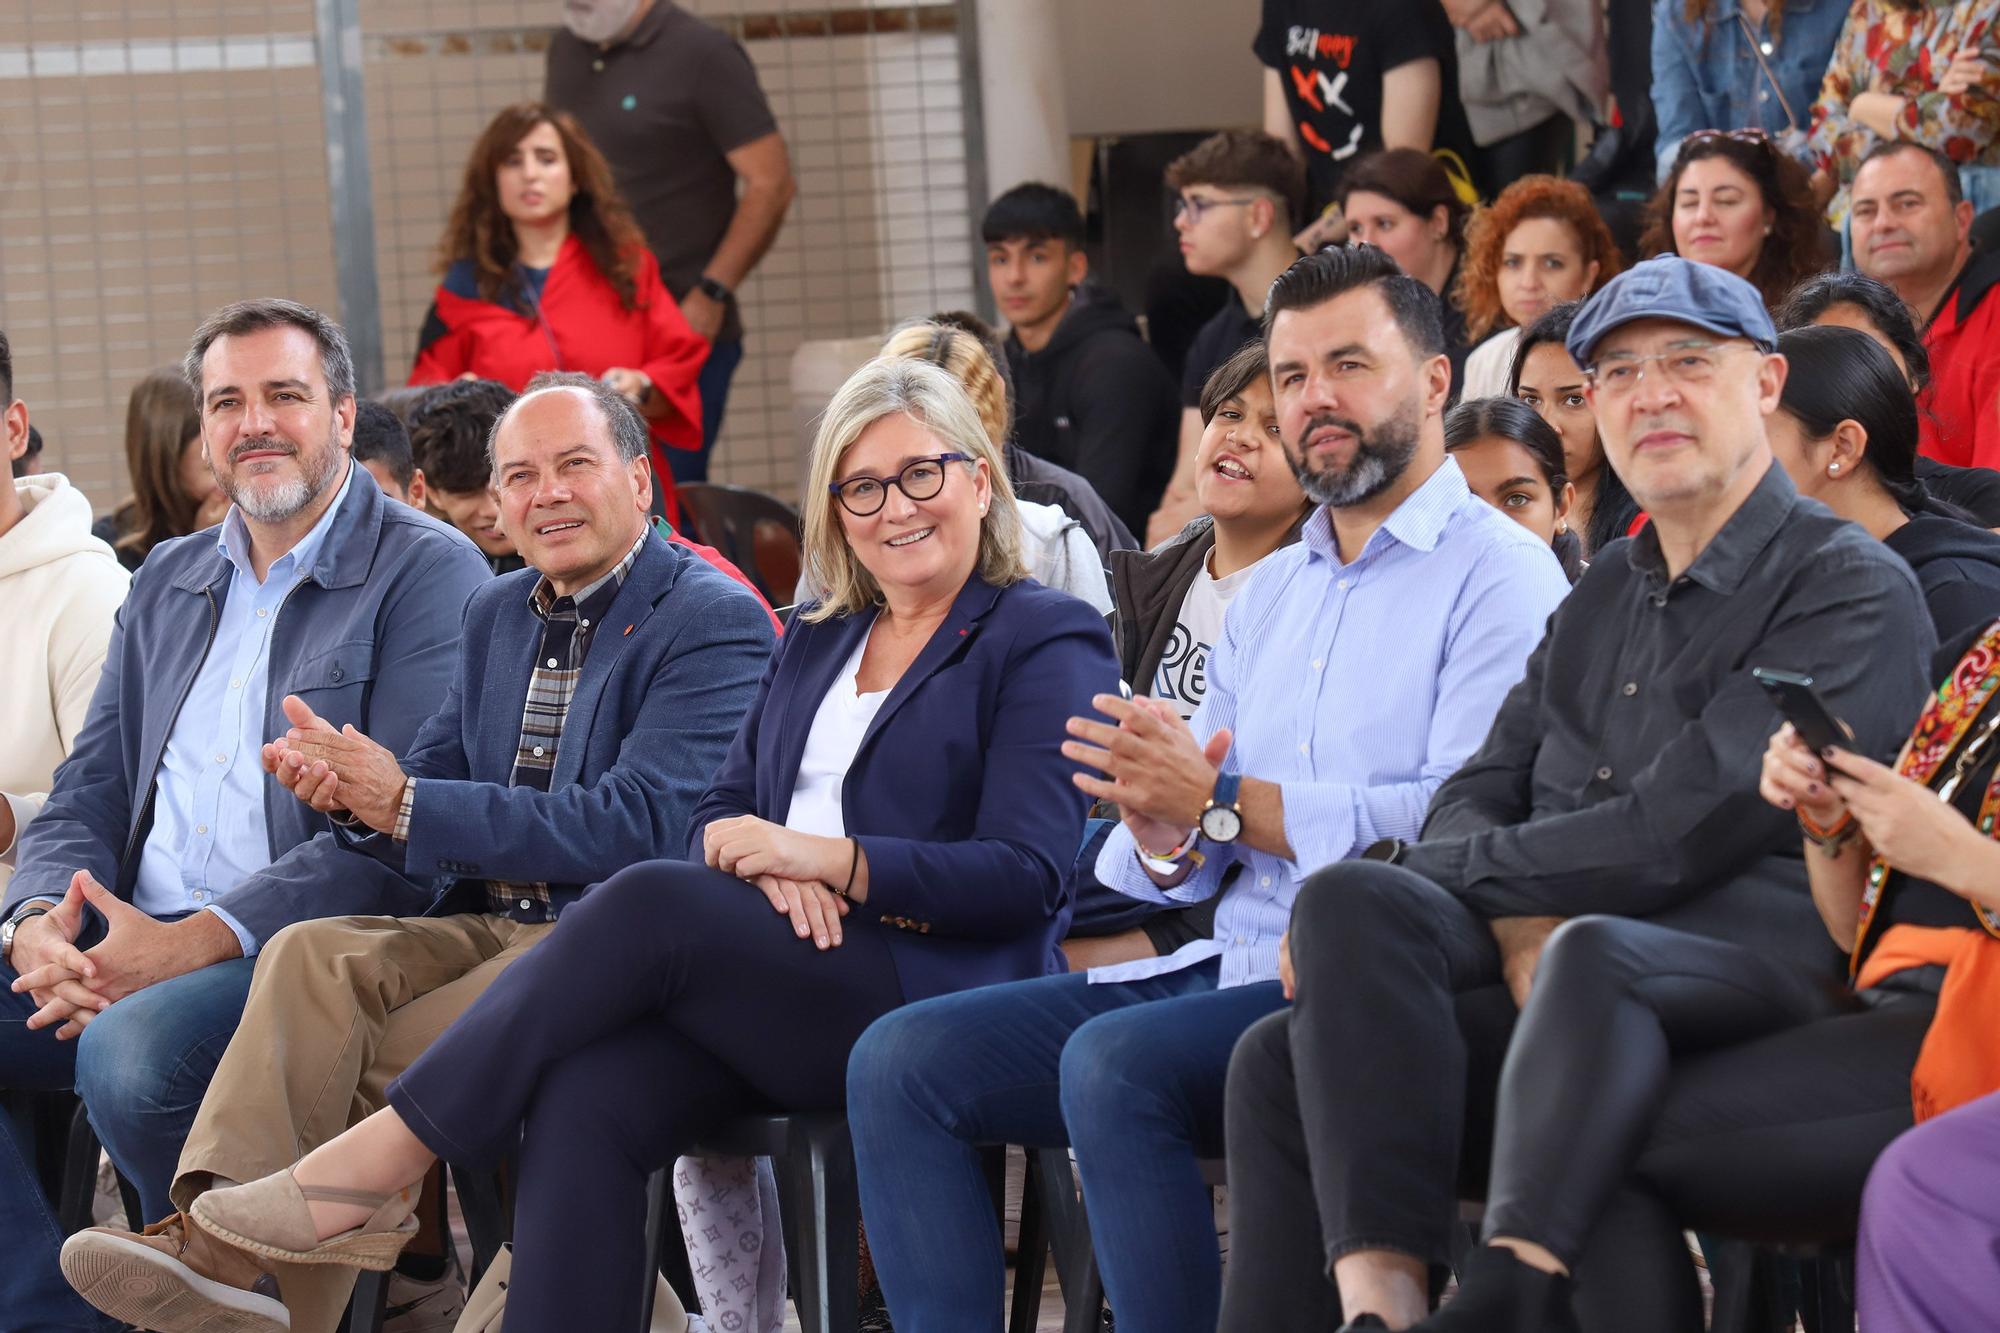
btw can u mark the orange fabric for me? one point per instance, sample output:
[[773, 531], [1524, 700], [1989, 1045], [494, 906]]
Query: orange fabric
[[1960, 1058]]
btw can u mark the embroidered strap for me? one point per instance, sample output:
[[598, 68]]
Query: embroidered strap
[[1946, 721]]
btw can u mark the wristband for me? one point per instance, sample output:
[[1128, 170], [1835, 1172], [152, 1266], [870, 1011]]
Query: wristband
[[1169, 862], [853, 864], [1829, 839]]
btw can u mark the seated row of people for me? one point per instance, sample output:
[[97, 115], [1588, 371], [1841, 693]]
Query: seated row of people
[[920, 835]]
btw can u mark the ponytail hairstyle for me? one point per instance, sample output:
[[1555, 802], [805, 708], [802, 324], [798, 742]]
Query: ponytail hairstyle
[[967, 358], [1883, 309], [1840, 374]]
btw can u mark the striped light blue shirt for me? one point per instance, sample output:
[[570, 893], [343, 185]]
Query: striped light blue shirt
[[1358, 687]]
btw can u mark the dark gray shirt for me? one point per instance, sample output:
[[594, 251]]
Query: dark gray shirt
[[666, 106], [1621, 774]]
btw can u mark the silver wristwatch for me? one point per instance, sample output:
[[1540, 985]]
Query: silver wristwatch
[[13, 925]]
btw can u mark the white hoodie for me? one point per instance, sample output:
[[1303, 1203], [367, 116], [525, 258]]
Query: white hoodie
[[60, 589]]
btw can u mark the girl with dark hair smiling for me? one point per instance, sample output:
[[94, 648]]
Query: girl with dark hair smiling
[[1846, 432]]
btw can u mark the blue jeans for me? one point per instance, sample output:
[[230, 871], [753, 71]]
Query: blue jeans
[[141, 1067], [716, 372], [1130, 1074]]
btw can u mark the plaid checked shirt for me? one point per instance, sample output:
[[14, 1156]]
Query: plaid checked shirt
[[568, 626]]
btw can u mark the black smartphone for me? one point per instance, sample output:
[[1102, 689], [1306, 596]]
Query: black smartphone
[[1801, 706]]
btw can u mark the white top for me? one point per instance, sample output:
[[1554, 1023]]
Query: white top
[[1060, 554], [835, 738], [1182, 676], [1487, 367]]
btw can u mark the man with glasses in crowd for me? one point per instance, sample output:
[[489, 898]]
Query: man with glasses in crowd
[[1239, 197]]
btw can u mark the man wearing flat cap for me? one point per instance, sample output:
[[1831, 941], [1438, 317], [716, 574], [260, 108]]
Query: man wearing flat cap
[[1619, 781]]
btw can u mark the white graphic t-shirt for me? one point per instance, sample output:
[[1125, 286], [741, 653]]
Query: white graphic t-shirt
[[1182, 677]]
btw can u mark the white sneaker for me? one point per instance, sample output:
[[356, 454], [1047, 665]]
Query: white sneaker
[[423, 1307]]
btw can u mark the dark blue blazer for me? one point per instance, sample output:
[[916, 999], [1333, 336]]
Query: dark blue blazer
[[959, 795], [671, 667]]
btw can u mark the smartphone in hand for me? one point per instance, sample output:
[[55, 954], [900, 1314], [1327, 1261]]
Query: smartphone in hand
[[1799, 703]]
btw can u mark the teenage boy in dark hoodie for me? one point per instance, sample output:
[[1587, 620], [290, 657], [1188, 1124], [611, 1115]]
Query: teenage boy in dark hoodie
[[1089, 394]]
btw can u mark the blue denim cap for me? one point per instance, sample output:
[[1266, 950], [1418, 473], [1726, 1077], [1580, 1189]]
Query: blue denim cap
[[1669, 287]]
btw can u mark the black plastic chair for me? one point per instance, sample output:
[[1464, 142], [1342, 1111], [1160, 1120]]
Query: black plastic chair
[[759, 533], [820, 1209], [74, 1144], [489, 1224]]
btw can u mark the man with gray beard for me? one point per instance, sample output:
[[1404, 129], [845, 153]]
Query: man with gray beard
[[163, 858], [1355, 672]]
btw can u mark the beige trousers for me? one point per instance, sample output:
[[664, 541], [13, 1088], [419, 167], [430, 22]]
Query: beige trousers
[[337, 1009]]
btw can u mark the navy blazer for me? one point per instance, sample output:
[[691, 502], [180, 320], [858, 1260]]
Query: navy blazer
[[672, 666], [959, 795]]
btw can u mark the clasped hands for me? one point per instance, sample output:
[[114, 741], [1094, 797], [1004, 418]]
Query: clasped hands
[[793, 869], [1482, 20], [1152, 767], [336, 770], [72, 986]]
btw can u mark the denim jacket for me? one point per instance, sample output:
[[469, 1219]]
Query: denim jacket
[[1706, 77]]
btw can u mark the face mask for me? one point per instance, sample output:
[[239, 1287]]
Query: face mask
[[598, 20]]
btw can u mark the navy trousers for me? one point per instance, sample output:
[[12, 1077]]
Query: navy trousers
[[668, 999]]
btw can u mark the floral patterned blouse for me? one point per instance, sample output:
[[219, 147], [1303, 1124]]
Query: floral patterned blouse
[[1889, 49]]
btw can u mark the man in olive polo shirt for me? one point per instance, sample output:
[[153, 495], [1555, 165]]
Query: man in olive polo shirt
[[675, 107]]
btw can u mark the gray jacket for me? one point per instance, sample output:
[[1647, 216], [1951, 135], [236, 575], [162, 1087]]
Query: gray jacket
[[1557, 65]]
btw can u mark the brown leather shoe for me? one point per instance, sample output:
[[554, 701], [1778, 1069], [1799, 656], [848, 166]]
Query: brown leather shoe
[[174, 1278]]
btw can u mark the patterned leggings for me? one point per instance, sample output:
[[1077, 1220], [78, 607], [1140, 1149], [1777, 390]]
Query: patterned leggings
[[727, 1207]]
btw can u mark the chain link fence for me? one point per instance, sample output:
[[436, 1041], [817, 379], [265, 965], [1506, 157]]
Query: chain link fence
[[161, 157]]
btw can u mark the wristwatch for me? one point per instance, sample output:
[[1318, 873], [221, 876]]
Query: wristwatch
[[13, 924], [1221, 821], [713, 290], [1385, 849]]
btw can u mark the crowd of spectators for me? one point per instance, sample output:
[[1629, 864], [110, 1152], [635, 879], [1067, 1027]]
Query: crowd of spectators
[[1540, 755]]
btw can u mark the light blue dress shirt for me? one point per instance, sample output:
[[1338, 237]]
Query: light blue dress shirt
[[208, 806], [1358, 688]]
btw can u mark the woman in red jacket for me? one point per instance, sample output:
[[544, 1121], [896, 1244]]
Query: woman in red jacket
[[544, 269]]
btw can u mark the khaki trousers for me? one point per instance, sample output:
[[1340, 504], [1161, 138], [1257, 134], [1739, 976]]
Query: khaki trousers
[[337, 1009]]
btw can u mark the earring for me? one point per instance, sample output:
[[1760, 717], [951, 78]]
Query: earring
[[1562, 526], [1833, 470]]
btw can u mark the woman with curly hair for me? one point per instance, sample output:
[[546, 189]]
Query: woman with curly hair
[[1539, 244], [544, 269], [1735, 201]]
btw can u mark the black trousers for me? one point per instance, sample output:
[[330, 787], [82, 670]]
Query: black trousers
[[1657, 1080], [668, 999]]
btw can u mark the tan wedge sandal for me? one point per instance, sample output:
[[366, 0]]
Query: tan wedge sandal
[[270, 1217]]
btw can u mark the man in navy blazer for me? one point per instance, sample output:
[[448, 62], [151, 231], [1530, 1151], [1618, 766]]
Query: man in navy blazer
[[598, 691]]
